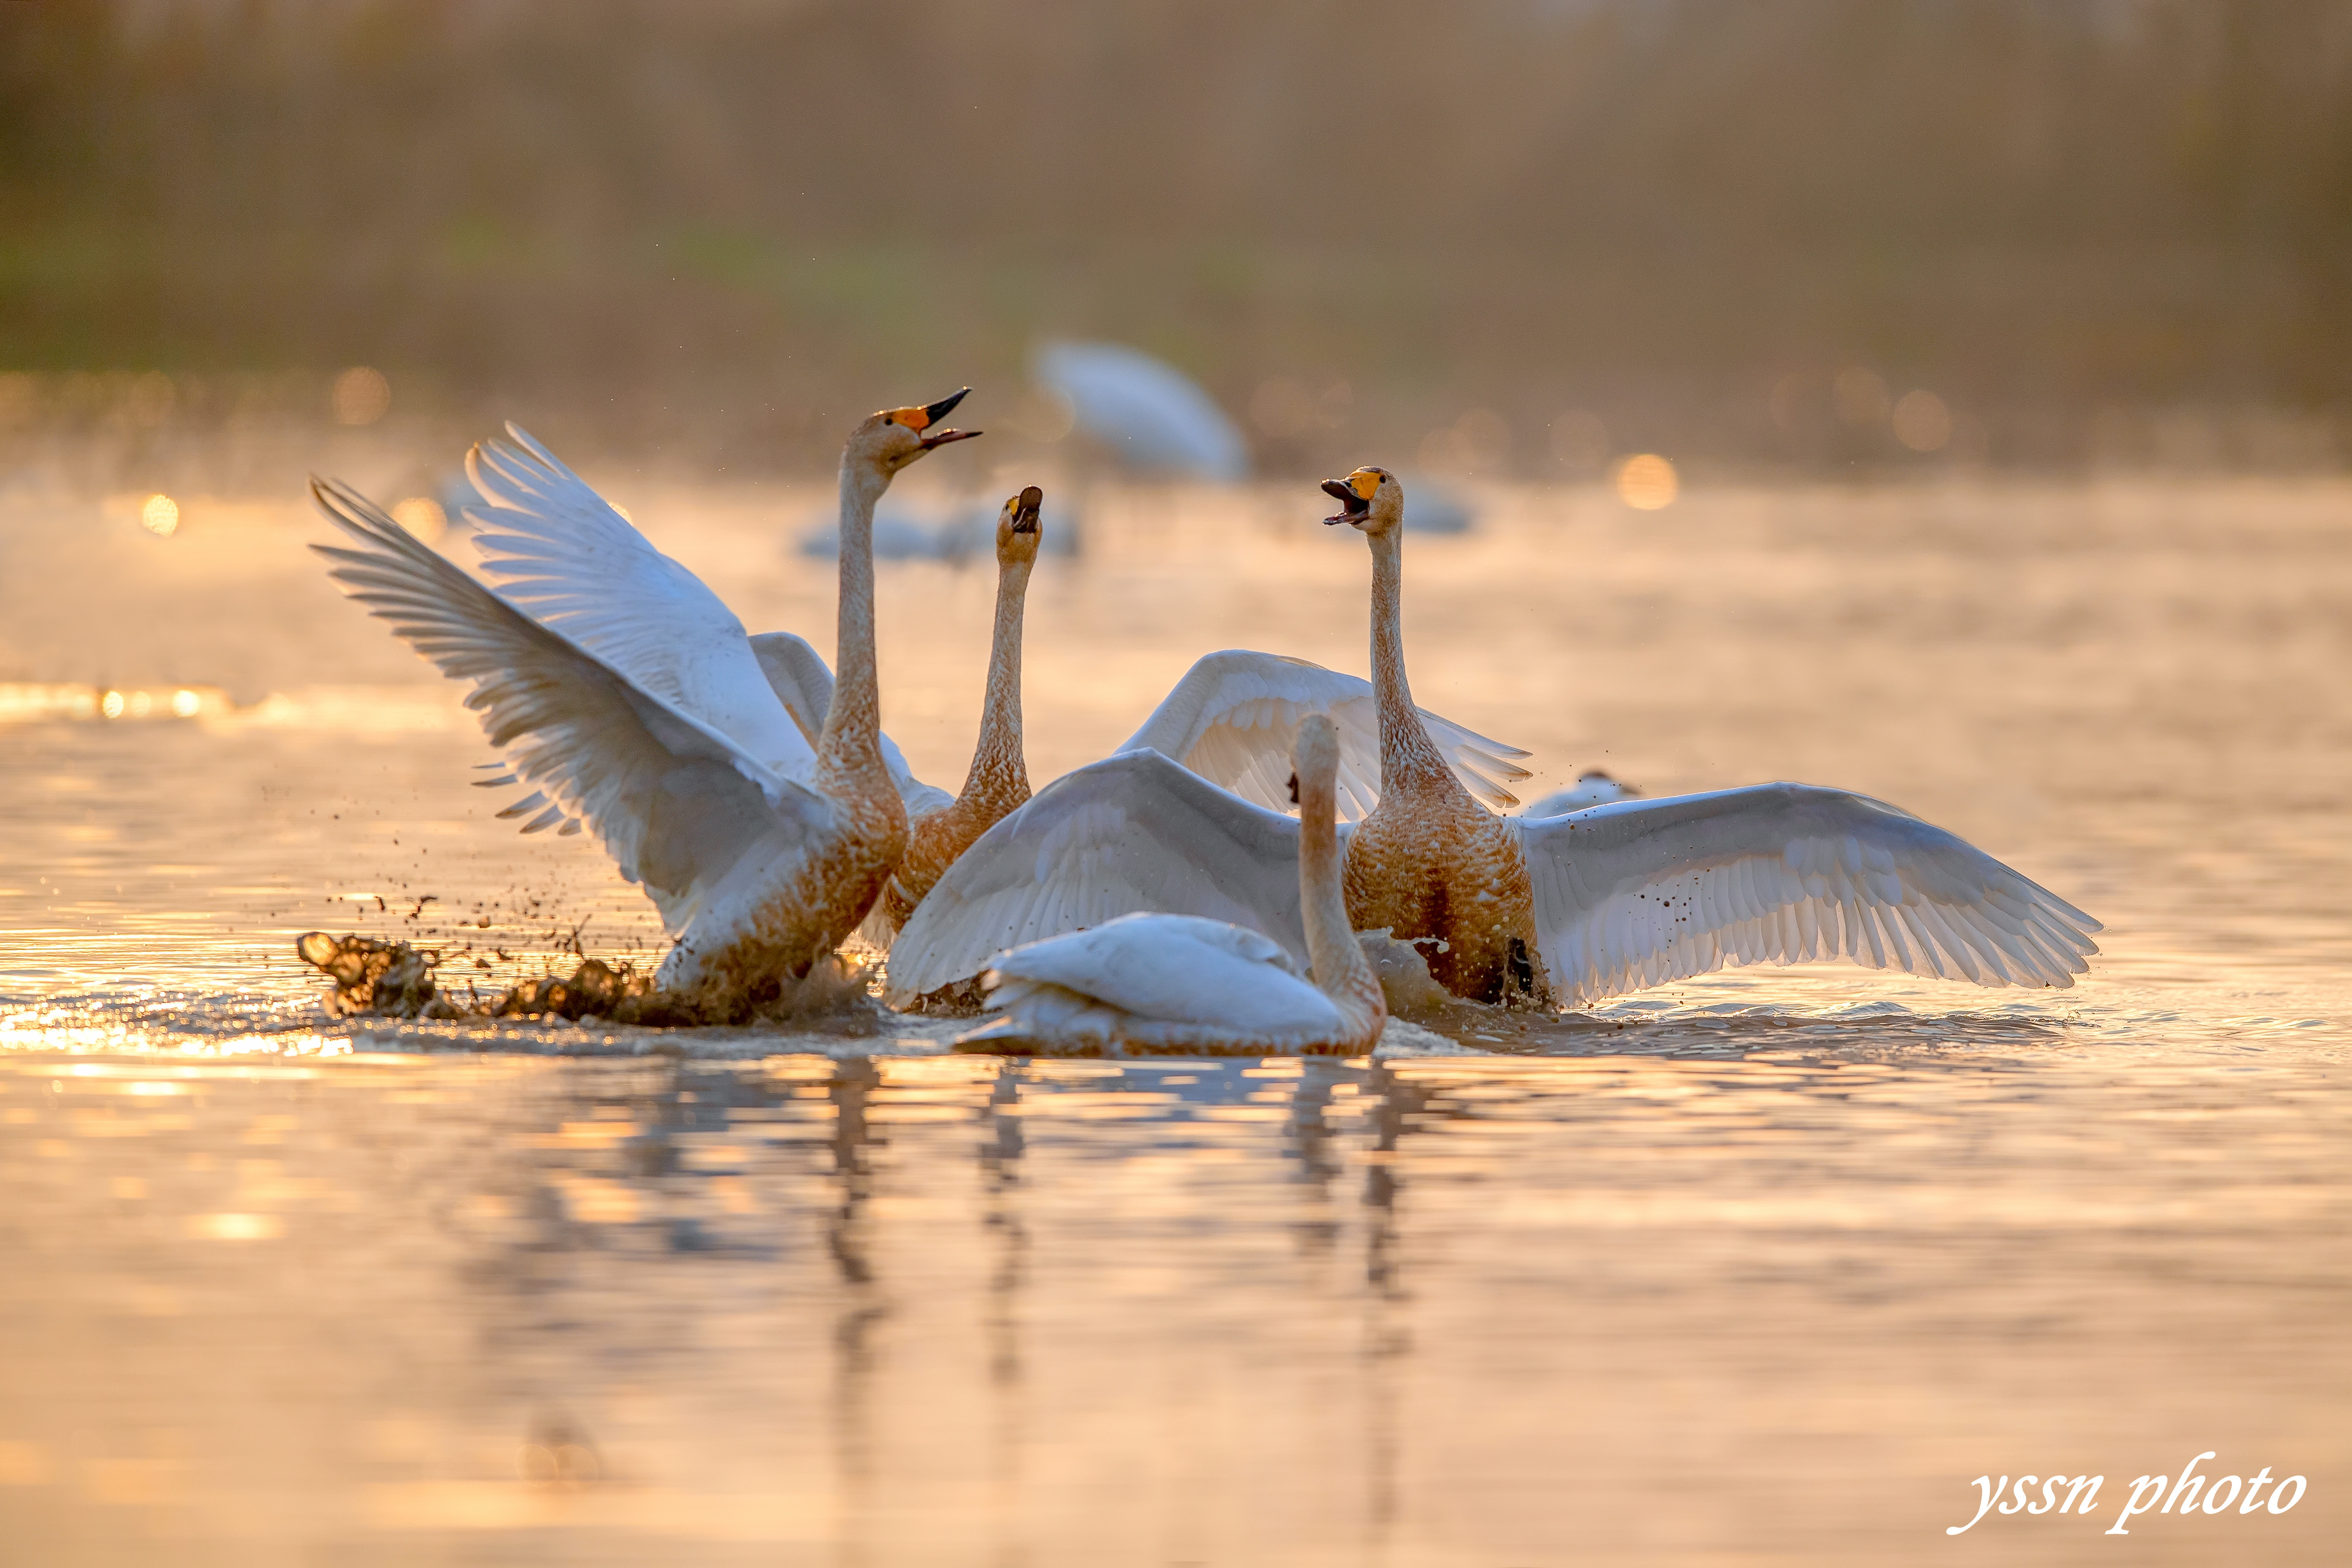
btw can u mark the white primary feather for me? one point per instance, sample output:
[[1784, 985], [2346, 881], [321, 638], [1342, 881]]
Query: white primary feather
[[559, 552], [1234, 715], [680, 806], [1642, 892], [1135, 832]]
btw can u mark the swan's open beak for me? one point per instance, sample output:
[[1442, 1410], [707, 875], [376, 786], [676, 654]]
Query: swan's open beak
[[1353, 507], [935, 412], [1025, 515]]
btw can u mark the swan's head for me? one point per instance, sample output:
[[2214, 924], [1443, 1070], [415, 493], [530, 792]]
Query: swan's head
[[1370, 500], [1315, 759], [1018, 532], [889, 440]]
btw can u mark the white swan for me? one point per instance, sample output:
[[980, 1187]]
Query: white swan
[[1615, 898], [761, 851], [1158, 982], [558, 549]]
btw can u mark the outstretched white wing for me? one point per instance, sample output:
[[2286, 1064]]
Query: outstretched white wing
[[804, 686], [559, 552], [1642, 892], [675, 801], [1133, 832], [1234, 717]]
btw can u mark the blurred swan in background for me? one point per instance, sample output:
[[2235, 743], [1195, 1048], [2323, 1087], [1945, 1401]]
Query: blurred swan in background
[[1166, 983], [1593, 786], [1147, 412], [1618, 897], [647, 716]]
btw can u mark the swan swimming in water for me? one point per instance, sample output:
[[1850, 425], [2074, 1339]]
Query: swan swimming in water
[[760, 851], [1163, 983], [1429, 862], [1617, 897]]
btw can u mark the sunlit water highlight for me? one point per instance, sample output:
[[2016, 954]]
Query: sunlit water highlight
[[1764, 1267]]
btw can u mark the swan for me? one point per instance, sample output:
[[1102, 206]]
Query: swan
[[559, 551], [761, 849], [1580, 906], [1593, 786], [1429, 862], [998, 781], [1158, 982]]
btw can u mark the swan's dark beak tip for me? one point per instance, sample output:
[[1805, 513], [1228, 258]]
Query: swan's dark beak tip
[[1351, 505], [935, 412]]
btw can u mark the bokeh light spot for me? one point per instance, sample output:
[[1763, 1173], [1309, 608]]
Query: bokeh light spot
[[184, 704], [1045, 416], [111, 704], [423, 517], [1922, 422], [362, 395], [1647, 482], [160, 516]]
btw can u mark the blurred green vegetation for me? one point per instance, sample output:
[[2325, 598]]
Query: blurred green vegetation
[[732, 223]]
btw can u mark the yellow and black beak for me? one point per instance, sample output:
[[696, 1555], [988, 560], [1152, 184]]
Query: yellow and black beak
[[923, 419], [935, 412], [1354, 496], [1025, 510]]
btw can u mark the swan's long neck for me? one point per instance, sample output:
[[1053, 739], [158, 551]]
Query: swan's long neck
[[1340, 969], [1000, 772], [1407, 753], [851, 744]]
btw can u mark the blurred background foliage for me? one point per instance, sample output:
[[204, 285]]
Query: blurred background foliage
[[1737, 232]]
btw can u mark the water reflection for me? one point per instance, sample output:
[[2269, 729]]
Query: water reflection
[[926, 1310]]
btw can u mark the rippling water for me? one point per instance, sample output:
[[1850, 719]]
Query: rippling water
[[1765, 1267]]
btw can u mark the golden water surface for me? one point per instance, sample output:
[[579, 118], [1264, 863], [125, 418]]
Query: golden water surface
[[1766, 1267]]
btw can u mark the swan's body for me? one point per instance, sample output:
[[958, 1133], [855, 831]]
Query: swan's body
[[1162, 983], [649, 717], [1593, 787], [998, 782], [1429, 862], [1604, 900]]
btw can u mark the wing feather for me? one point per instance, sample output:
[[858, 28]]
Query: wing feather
[[1132, 833], [1235, 715], [1642, 892], [558, 550], [676, 803]]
